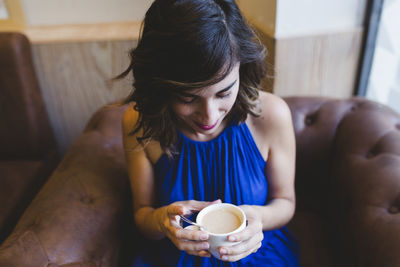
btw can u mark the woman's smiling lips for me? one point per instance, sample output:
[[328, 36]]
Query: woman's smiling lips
[[206, 127]]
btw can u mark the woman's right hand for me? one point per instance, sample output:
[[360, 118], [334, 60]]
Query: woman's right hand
[[193, 242]]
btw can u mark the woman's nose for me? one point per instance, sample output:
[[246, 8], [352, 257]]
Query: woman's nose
[[208, 112]]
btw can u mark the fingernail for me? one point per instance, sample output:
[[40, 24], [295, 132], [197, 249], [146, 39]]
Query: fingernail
[[205, 246], [203, 236], [224, 258], [222, 251], [232, 238], [205, 254]]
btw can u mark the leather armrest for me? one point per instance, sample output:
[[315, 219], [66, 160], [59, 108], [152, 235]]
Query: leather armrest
[[80, 216]]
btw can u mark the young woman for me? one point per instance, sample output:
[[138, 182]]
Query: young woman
[[199, 131]]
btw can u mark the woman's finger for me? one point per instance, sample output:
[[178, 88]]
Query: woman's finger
[[185, 234], [175, 209], [192, 205], [236, 257], [191, 241], [243, 247], [186, 207], [201, 253], [175, 231], [170, 226], [254, 226], [256, 249]]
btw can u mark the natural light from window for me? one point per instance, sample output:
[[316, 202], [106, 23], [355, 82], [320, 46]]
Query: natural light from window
[[384, 81]]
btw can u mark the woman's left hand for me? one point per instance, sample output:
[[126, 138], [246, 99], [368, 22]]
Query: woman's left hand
[[250, 238]]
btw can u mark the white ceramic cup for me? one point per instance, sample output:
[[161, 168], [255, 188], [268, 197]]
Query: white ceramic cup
[[220, 240]]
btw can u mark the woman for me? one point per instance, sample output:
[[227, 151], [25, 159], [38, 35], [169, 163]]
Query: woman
[[200, 132]]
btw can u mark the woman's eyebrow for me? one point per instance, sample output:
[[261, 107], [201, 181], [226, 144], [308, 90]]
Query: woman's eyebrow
[[227, 88], [186, 94]]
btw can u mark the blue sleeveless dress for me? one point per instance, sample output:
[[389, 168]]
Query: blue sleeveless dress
[[231, 168]]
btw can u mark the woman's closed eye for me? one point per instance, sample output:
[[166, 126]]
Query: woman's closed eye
[[187, 99], [224, 94], [191, 99]]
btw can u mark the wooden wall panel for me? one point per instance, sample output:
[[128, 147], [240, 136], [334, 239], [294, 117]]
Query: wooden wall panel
[[268, 83], [75, 82], [323, 65]]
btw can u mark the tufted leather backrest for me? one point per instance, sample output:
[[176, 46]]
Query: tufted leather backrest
[[25, 130], [348, 174], [315, 121]]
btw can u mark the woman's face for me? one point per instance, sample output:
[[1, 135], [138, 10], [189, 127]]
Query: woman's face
[[201, 112]]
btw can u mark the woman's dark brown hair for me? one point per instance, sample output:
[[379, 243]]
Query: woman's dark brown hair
[[185, 45]]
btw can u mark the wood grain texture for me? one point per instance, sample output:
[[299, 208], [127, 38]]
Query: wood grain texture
[[323, 65], [75, 82], [267, 83], [16, 19], [83, 32]]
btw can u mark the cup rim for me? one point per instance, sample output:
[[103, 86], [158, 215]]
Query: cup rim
[[213, 206]]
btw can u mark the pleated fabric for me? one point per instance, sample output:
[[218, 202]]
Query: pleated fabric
[[229, 167]]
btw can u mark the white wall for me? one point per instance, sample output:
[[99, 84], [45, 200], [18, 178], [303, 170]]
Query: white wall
[[56, 12], [308, 17], [292, 18]]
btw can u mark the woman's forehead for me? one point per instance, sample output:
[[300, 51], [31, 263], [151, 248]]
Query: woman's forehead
[[230, 78]]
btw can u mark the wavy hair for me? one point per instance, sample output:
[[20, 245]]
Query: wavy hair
[[186, 45]]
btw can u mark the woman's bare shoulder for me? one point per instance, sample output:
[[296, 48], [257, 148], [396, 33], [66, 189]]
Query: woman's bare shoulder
[[151, 148], [129, 119], [273, 112]]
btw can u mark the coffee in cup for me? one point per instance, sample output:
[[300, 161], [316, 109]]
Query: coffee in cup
[[221, 220]]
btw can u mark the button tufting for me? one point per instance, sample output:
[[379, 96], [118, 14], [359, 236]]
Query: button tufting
[[309, 120], [369, 155], [394, 209], [86, 200]]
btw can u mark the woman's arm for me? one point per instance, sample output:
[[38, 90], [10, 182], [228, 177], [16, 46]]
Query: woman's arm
[[157, 223], [280, 168], [141, 177]]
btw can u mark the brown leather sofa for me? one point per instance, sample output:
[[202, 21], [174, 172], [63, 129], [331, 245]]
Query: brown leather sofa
[[347, 182], [28, 152]]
